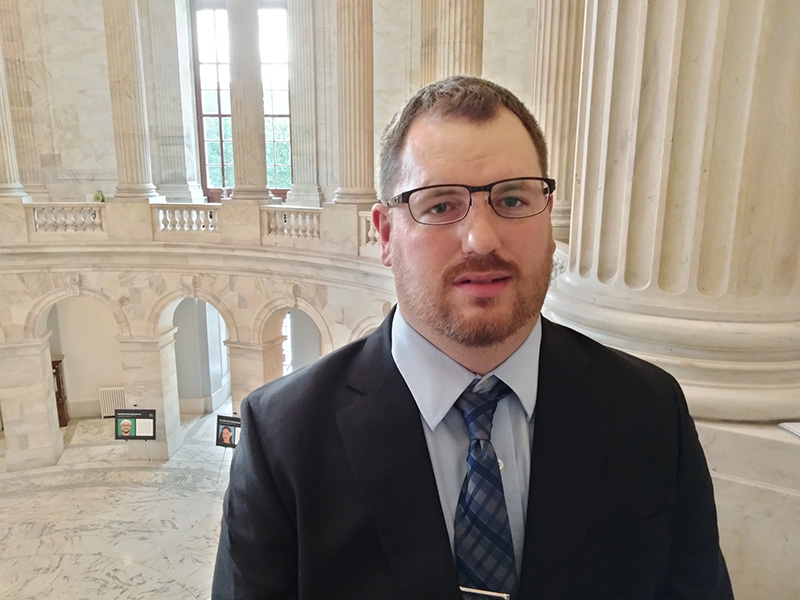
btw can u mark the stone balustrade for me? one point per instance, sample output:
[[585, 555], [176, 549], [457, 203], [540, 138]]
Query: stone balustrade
[[299, 223], [53, 217]]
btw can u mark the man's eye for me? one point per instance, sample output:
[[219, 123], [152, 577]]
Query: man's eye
[[512, 201], [439, 209]]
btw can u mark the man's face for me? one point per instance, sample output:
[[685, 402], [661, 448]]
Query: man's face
[[125, 427], [481, 281]]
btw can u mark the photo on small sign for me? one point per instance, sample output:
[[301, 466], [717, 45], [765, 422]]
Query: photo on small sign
[[228, 431], [135, 424]]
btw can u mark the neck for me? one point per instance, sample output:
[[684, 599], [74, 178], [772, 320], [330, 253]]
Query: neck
[[483, 359]]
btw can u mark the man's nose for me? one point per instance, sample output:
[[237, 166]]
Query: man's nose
[[481, 234]]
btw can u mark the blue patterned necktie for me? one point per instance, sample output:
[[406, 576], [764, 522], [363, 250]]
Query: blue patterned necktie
[[483, 548]]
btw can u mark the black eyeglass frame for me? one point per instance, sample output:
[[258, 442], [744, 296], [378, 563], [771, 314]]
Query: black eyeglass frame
[[403, 197]]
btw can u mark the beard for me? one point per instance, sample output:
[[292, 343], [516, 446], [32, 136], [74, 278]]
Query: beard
[[429, 302]]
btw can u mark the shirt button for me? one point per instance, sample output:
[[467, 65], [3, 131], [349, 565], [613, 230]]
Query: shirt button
[[500, 464]]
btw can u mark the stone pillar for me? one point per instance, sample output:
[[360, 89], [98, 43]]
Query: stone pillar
[[556, 83], [356, 155], [12, 214], [149, 374], [253, 365], [128, 109], [28, 405], [247, 105], [428, 28], [302, 102], [19, 101], [683, 244], [172, 101], [459, 38]]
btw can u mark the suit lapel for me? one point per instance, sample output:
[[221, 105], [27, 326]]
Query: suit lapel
[[569, 441], [384, 442]]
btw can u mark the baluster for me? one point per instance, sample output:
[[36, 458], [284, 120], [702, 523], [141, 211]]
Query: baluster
[[187, 220], [212, 220], [315, 225]]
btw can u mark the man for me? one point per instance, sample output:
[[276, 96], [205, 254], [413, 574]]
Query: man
[[366, 476], [125, 427]]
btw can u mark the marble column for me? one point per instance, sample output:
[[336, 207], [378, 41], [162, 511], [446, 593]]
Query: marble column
[[253, 365], [683, 244], [28, 405], [171, 97], [13, 226], [303, 102], [556, 83], [459, 38], [128, 109], [428, 43], [149, 374], [355, 86], [247, 105], [19, 101]]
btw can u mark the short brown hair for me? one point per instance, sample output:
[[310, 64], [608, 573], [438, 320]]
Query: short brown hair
[[460, 96]]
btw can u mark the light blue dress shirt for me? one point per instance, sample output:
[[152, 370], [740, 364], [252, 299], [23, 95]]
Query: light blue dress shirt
[[436, 381]]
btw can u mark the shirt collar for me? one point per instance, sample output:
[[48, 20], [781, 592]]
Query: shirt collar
[[436, 380]]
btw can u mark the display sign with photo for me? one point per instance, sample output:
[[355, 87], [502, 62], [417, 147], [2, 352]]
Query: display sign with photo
[[135, 424], [228, 431]]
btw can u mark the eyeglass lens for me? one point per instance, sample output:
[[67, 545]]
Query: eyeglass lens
[[514, 199]]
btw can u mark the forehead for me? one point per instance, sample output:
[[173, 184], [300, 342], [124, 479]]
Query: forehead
[[457, 150]]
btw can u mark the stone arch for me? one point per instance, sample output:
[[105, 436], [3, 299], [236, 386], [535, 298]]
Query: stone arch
[[36, 321], [267, 324], [160, 318], [367, 325]]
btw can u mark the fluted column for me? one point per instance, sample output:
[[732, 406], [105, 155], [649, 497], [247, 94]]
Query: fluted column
[[128, 108], [356, 161], [428, 45], [459, 37], [10, 188], [19, 101], [302, 105], [556, 84], [247, 105], [684, 245], [175, 155]]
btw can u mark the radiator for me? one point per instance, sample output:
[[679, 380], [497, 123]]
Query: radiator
[[111, 398]]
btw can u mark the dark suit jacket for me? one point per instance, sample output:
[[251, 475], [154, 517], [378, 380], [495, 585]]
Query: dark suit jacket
[[332, 493]]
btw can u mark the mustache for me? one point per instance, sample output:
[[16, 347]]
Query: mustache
[[480, 263]]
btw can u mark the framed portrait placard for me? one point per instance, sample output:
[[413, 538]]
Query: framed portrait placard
[[135, 424], [228, 431]]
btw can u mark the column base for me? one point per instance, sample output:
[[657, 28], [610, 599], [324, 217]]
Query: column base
[[730, 370], [355, 196], [304, 194]]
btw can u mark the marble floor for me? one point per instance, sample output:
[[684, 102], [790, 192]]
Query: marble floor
[[97, 526]]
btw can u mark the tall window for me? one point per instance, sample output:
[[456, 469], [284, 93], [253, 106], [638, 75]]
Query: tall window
[[212, 72]]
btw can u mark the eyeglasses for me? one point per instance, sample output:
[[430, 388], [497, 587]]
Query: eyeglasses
[[443, 204]]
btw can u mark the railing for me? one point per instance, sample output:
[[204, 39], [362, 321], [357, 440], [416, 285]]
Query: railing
[[299, 223], [186, 218], [66, 217], [368, 238]]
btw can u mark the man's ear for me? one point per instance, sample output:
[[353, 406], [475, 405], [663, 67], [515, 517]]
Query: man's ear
[[380, 220]]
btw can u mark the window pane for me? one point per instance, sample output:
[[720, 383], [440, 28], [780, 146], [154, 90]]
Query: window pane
[[229, 179], [213, 156], [214, 179], [225, 102], [275, 77], [227, 129], [283, 177], [280, 103], [272, 35], [270, 153], [208, 77], [228, 150], [224, 77], [209, 101], [282, 129], [268, 102], [205, 31], [271, 176], [211, 128], [283, 154], [223, 46], [269, 134]]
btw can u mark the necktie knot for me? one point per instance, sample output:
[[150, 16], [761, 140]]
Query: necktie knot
[[477, 407]]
